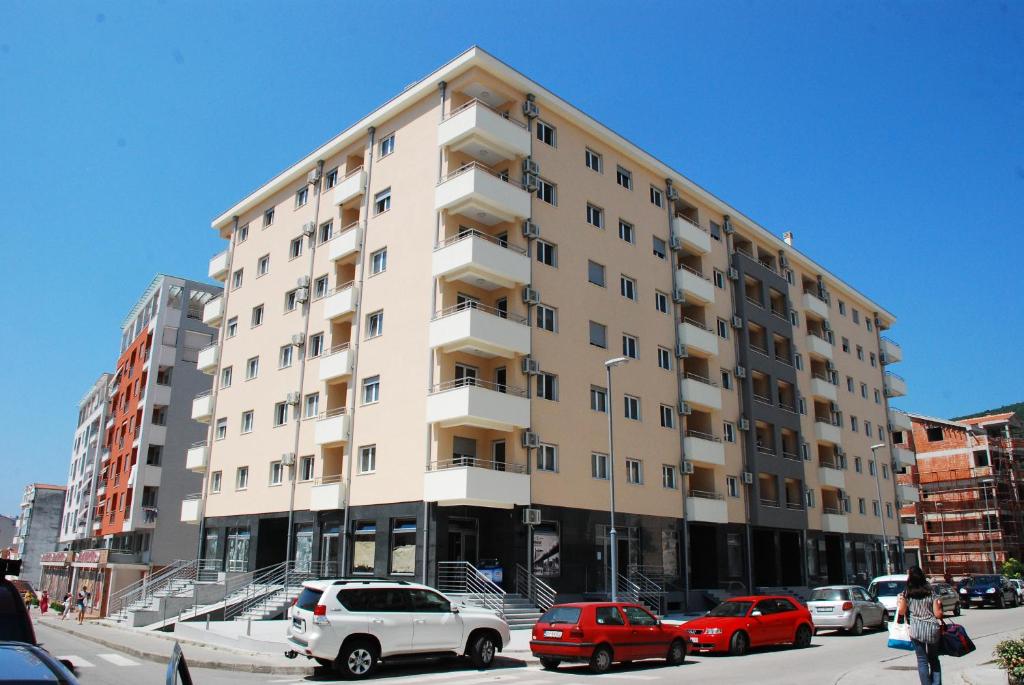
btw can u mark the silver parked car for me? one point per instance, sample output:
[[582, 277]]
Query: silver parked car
[[949, 598], [1018, 585], [846, 607]]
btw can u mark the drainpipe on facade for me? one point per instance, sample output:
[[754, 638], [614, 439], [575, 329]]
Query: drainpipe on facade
[[892, 447], [354, 337], [293, 469], [215, 389], [528, 562]]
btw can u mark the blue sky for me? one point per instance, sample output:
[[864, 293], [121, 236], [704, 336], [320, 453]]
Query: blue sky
[[887, 136]]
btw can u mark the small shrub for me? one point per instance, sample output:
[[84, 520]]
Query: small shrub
[[1009, 655]]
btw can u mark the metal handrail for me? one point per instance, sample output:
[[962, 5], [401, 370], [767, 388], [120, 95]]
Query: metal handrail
[[203, 349], [791, 408], [193, 495], [487, 309], [759, 349], [705, 494], [792, 456], [353, 172], [338, 348], [331, 413], [784, 360], [327, 480], [833, 510], [763, 399], [278, 582], [462, 578], [815, 295], [338, 288], [889, 340], [781, 314], [534, 589], [890, 374], [344, 229], [693, 271], [772, 503], [458, 462], [820, 377], [474, 233], [825, 420], [795, 506], [701, 379], [754, 302], [830, 464], [468, 166], [694, 322], [690, 221], [642, 589], [476, 382], [703, 436], [203, 394], [481, 103]]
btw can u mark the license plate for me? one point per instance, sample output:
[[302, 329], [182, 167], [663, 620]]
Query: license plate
[[552, 633], [298, 625], [823, 610]]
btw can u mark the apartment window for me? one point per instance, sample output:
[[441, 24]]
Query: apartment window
[[221, 429], [368, 459], [311, 405], [236, 279], [374, 324], [295, 248], [280, 414], [723, 329], [871, 467], [634, 472], [715, 230], [853, 424], [719, 278], [849, 383], [657, 197], [846, 345], [862, 506], [547, 318], [869, 323], [878, 396], [268, 217], [315, 345], [598, 334], [668, 476], [215, 481], [547, 386], [252, 368], [331, 178], [864, 390], [595, 216], [624, 177], [856, 315], [627, 287], [326, 232], [547, 458], [371, 389], [242, 235], [860, 353], [664, 359], [858, 464], [798, 361], [599, 466], [387, 146], [306, 468], [888, 510], [547, 253], [546, 133], [379, 261], [301, 196], [225, 377], [547, 191], [881, 433], [875, 509], [885, 472], [732, 486], [627, 232], [242, 478], [630, 346], [232, 328], [598, 399], [276, 473], [842, 308], [263, 265], [632, 407], [320, 287], [668, 416], [284, 357], [595, 273], [874, 360], [257, 316], [593, 160], [403, 547], [247, 421], [659, 248], [382, 201], [729, 432]]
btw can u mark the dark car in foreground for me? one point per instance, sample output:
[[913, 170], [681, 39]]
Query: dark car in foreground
[[740, 623], [987, 590]]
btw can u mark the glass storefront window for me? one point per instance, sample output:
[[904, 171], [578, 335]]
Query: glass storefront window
[[403, 546], [364, 547]]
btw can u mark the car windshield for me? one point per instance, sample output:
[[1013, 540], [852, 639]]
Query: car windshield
[[986, 581], [561, 615], [730, 609], [830, 594], [887, 588]]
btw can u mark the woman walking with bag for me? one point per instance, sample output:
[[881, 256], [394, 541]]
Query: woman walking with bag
[[923, 609]]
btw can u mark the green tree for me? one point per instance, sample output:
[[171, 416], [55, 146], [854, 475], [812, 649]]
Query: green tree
[[1013, 568]]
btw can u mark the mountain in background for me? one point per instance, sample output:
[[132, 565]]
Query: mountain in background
[[1017, 408]]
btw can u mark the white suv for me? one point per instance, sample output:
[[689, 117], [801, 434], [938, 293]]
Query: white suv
[[350, 625]]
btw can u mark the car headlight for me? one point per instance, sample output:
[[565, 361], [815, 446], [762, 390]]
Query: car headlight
[[713, 631], [990, 591], [963, 591]]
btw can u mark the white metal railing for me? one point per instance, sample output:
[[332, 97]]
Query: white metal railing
[[343, 230], [462, 578], [480, 103], [273, 587], [487, 309], [352, 172], [703, 436], [474, 233], [489, 464], [469, 166], [141, 592], [337, 348], [642, 590], [701, 379], [690, 221], [534, 589], [339, 288], [760, 350], [694, 322], [476, 382], [704, 494], [695, 272], [331, 413]]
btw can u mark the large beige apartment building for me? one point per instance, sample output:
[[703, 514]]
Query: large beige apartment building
[[411, 362]]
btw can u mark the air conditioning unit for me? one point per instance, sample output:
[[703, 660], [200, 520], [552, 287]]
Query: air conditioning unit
[[530, 366], [687, 468], [302, 281], [298, 339], [840, 452], [737, 321], [530, 182], [677, 296], [531, 517], [293, 398], [744, 423], [530, 166], [681, 351], [684, 408], [288, 458], [748, 478], [531, 296], [783, 260], [530, 439], [530, 109], [302, 294], [809, 497], [734, 273], [741, 372], [671, 193], [530, 229], [727, 226], [675, 243], [313, 176], [833, 407], [826, 326], [308, 228], [830, 365]]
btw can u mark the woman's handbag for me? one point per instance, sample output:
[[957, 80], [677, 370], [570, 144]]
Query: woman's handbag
[[899, 635], [954, 641]]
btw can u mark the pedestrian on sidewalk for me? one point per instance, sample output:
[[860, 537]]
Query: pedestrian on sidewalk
[[44, 602], [69, 603], [922, 608], [80, 605]]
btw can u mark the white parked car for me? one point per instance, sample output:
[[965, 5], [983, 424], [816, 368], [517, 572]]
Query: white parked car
[[351, 625], [887, 589]]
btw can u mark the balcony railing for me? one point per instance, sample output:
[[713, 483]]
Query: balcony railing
[[829, 464], [825, 420], [792, 456], [701, 379], [771, 503], [754, 301], [836, 511], [473, 233], [763, 399], [704, 494], [794, 506], [480, 103], [463, 306], [696, 324], [478, 383], [471, 166], [760, 350], [459, 461], [703, 436]]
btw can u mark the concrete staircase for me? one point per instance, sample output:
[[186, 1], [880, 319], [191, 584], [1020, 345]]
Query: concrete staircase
[[520, 613], [275, 600]]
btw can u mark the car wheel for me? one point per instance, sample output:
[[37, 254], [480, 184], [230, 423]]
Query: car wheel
[[483, 651], [885, 620], [676, 653], [601, 660], [858, 626], [358, 659], [803, 635], [549, 663], [956, 609], [739, 644]]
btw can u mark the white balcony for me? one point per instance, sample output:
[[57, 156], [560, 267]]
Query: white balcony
[[476, 191], [219, 266], [480, 132], [192, 509], [346, 243], [337, 364], [815, 305], [481, 331], [164, 355], [831, 477], [202, 407], [477, 484], [350, 187], [904, 458], [327, 494], [891, 352], [826, 432], [198, 457], [703, 448], [819, 347], [341, 302], [895, 386], [907, 493], [213, 311], [481, 261], [478, 403], [690, 235], [159, 395], [332, 428], [900, 420], [823, 389], [208, 358], [698, 341], [835, 523], [911, 531], [700, 392], [696, 288], [706, 507]]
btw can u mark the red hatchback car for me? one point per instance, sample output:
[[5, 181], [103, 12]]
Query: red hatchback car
[[738, 624], [600, 633]]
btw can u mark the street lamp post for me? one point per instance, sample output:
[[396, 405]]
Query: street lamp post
[[942, 535], [881, 513], [613, 551]]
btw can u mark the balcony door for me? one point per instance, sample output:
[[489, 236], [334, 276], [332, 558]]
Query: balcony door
[[466, 375], [462, 539], [464, 301], [329, 551], [501, 379], [498, 455], [501, 307]]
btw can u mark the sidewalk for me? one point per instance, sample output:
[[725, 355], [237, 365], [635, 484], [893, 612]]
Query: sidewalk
[[156, 646]]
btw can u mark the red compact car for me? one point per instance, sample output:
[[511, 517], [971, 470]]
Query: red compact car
[[738, 624], [600, 633]]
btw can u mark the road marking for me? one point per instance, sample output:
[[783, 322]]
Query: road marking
[[117, 660], [77, 661]]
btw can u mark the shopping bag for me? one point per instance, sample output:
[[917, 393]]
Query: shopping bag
[[954, 641], [899, 636]]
